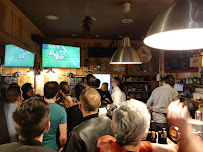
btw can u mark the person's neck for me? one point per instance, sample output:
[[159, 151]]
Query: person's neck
[[115, 87], [132, 147], [52, 100], [87, 113], [40, 138], [16, 102]]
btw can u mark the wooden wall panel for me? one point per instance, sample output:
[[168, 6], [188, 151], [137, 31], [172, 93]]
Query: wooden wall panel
[[16, 28]]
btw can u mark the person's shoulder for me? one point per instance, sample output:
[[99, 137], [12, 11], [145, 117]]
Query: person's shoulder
[[72, 108], [55, 105], [107, 142], [15, 146], [104, 118], [91, 122], [9, 147], [44, 149], [107, 138]]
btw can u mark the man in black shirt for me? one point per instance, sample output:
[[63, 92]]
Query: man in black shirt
[[27, 90], [90, 80], [99, 90]]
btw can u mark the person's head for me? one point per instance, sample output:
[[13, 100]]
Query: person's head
[[27, 89], [65, 87], [79, 88], [97, 83], [31, 118], [131, 122], [51, 89], [104, 86], [90, 100], [116, 81], [90, 80], [14, 94], [169, 79]]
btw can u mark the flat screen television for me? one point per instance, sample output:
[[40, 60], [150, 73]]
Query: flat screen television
[[59, 56], [18, 57]]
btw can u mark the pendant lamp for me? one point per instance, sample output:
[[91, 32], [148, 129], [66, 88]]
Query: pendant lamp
[[125, 54], [180, 27]]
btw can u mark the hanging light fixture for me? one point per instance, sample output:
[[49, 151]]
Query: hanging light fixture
[[180, 27], [125, 54]]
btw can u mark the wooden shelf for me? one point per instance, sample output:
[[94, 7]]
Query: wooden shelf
[[142, 73], [137, 82], [196, 100], [138, 91], [197, 85]]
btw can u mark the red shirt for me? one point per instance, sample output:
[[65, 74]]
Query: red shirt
[[108, 143]]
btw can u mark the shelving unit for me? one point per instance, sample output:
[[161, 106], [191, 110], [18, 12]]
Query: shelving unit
[[137, 87]]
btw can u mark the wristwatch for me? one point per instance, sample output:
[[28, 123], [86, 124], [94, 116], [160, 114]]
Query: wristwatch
[[174, 133]]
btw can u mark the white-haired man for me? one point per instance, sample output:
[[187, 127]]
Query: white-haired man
[[130, 124]]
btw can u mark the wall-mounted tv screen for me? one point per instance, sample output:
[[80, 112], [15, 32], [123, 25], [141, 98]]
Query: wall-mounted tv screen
[[59, 56], [18, 57]]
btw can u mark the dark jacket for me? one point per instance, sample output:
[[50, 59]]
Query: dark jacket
[[4, 135], [74, 117], [83, 138], [34, 146]]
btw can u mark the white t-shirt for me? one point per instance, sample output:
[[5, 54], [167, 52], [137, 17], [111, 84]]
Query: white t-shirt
[[118, 96]]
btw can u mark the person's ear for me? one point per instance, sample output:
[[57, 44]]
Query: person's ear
[[85, 81], [144, 138], [80, 106], [48, 126], [19, 99], [56, 96], [112, 127]]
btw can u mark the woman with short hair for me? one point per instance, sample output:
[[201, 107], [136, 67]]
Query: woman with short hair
[[130, 124]]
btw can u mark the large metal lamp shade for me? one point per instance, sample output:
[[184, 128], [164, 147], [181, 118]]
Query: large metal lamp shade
[[125, 54], [180, 27]]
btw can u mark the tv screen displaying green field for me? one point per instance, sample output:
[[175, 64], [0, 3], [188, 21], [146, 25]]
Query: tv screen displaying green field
[[18, 57], [59, 56]]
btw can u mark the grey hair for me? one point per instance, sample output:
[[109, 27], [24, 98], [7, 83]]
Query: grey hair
[[131, 122]]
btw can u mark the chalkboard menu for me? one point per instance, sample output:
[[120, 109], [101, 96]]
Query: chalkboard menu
[[73, 82], [178, 61]]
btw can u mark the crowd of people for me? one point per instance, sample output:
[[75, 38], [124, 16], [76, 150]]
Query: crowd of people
[[55, 122]]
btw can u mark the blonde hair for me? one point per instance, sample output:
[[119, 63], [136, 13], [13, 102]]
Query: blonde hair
[[104, 86], [90, 99], [64, 98]]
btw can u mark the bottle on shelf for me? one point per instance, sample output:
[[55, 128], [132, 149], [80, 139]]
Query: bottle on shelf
[[149, 136], [153, 139], [162, 136]]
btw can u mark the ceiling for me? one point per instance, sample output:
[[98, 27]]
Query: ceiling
[[108, 14]]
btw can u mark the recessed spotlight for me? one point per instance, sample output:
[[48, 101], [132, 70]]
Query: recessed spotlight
[[52, 17], [93, 18], [120, 36], [127, 20]]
